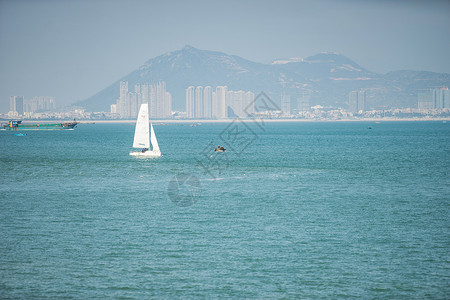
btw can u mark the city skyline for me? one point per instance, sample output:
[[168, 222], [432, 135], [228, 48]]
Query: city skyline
[[128, 104], [20, 106], [207, 103], [54, 54], [220, 103]]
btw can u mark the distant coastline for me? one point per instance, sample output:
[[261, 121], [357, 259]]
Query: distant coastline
[[156, 122], [247, 120]]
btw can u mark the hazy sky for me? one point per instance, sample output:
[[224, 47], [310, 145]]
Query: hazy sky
[[71, 49]]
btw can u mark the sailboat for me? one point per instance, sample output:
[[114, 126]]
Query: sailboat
[[142, 138]]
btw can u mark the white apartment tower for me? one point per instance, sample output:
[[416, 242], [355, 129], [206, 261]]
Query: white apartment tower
[[357, 101], [167, 110], [160, 101], [285, 104], [441, 97], [16, 104], [362, 100], [250, 102], [219, 103], [303, 103], [190, 102], [199, 102], [123, 90], [145, 93], [234, 102], [207, 102], [122, 103]]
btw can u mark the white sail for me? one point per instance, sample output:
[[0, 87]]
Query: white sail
[[141, 136], [154, 141]]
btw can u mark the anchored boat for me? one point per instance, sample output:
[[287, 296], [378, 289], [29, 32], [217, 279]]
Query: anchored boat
[[17, 125]]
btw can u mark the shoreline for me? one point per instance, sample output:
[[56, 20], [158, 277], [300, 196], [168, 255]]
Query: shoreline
[[196, 121], [158, 122]]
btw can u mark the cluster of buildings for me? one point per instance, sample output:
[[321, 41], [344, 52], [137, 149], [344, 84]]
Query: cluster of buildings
[[302, 104], [436, 98], [41, 103], [158, 99], [18, 106], [219, 103]]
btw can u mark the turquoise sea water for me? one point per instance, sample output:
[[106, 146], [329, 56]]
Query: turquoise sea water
[[290, 210]]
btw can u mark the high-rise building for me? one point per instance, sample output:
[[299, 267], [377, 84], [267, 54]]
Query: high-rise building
[[304, 102], [190, 102], [123, 90], [122, 103], [199, 102], [425, 100], [207, 102], [437, 99], [285, 104], [441, 98], [160, 102], [446, 97], [152, 94], [357, 101], [361, 100], [234, 104], [219, 107], [167, 107], [353, 102], [144, 93], [249, 105], [16, 105], [133, 106]]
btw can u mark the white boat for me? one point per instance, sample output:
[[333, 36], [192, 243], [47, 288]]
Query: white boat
[[142, 138]]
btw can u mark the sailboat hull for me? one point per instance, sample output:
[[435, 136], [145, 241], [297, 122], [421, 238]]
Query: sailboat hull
[[146, 154]]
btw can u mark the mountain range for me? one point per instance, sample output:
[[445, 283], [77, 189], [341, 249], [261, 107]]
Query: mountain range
[[326, 77]]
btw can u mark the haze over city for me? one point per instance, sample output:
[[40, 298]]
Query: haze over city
[[70, 50]]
